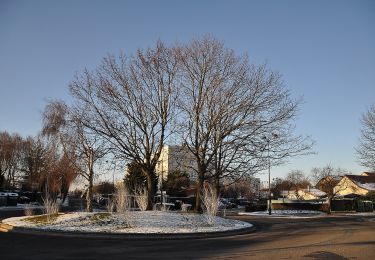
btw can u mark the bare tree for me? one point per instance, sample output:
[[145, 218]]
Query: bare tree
[[35, 164], [297, 180], [227, 105], [210, 75], [366, 147], [10, 159], [130, 103], [327, 178]]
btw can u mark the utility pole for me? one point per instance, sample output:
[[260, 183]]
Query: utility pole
[[269, 178], [268, 140]]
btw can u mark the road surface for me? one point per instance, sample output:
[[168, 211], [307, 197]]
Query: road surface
[[336, 237]]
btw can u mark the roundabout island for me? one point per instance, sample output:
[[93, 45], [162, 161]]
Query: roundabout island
[[130, 224]]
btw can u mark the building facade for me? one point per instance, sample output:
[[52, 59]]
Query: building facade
[[176, 158]]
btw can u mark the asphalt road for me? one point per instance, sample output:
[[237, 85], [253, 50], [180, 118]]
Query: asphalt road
[[337, 237]]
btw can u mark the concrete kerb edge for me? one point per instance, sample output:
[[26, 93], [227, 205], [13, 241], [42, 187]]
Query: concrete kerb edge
[[126, 236]]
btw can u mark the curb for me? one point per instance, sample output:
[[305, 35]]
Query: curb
[[127, 236]]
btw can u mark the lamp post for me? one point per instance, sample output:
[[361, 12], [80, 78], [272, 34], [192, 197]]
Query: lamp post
[[268, 140], [161, 184]]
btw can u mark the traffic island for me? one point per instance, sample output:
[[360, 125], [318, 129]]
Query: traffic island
[[132, 224]]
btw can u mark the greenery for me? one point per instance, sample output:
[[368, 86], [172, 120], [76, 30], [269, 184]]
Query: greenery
[[134, 177], [43, 219], [176, 184]]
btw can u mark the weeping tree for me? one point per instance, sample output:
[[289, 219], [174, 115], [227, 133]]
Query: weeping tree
[[129, 102], [82, 148]]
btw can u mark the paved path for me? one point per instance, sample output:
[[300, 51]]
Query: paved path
[[338, 237]]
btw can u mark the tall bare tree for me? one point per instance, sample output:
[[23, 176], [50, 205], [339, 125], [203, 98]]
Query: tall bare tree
[[130, 103], [227, 105], [366, 147]]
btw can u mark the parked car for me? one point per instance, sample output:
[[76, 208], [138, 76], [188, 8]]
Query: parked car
[[23, 200], [226, 204]]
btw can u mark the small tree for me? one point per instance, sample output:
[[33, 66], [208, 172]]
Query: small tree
[[328, 177], [134, 177], [297, 181]]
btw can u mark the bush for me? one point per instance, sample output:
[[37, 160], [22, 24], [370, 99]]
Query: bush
[[122, 199], [51, 207], [140, 194], [210, 202]]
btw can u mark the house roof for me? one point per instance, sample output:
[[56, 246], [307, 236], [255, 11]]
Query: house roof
[[368, 174], [363, 181]]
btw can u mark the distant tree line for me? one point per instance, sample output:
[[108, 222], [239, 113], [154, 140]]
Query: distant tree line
[[34, 164]]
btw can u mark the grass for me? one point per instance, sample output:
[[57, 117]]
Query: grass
[[42, 219], [99, 217], [103, 219]]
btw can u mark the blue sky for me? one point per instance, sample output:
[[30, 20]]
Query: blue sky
[[324, 49]]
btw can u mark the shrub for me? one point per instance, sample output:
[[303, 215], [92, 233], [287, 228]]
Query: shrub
[[28, 211], [140, 194], [122, 199], [51, 207], [210, 202]]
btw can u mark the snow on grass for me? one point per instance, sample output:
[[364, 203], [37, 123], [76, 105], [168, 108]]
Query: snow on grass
[[146, 222], [286, 213]]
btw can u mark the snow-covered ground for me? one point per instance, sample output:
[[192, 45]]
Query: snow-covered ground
[[286, 213], [146, 222]]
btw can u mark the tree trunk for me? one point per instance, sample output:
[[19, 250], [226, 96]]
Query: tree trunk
[[89, 195], [329, 205], [217, 186], [198, 202], [150, 191]]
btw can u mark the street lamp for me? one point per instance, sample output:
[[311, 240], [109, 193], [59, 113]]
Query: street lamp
[[268, 140]]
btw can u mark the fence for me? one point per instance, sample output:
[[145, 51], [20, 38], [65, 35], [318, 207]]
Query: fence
[[299, 205], [347, 205]]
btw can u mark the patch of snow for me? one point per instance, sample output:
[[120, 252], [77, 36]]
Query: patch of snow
[[367, 186], [139, 222], [286, 213], [316, 192]]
